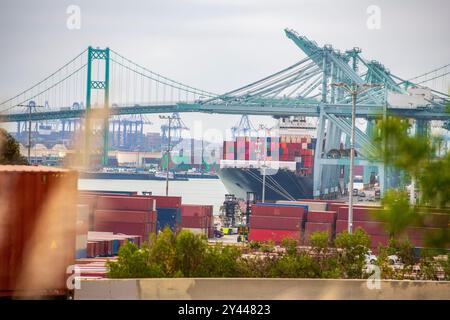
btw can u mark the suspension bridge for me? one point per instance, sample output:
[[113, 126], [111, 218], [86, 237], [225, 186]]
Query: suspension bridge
[[103, 84]]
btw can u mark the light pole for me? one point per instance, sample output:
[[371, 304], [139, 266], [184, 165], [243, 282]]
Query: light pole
[[170, 118], [30, 106], [354, 90], [263, 127]]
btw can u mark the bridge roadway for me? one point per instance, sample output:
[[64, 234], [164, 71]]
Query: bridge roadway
[[311, 110]]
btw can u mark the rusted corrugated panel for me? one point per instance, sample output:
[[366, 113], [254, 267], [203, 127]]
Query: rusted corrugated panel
[[38, 222]]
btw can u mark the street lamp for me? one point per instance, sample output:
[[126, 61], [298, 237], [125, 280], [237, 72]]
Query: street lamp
[[170, 118], [263, 127], [354, 90], [30, 106]]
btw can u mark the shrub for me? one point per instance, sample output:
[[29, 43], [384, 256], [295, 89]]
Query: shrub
[[319, 240], [134, 263], [294, 266], [354, 248], [290, 245]]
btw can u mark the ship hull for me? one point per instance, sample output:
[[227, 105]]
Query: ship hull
[[283, 185]]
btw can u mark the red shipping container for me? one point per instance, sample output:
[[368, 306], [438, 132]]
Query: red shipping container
[[132, 203], [322, 216], [371, 227], [359, 213], [278, 210], [420, 233], [140, 229], [274, 222], [38, 224], [274, 235], [101, 216], [166, 202], [195, 222], [379, 240], [193, 210], [312, 227], [90, 251], [334, 206]]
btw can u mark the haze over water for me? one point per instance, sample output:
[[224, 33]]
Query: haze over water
[[194, 191]]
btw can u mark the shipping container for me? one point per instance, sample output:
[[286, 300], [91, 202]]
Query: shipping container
[[275, 222], [166, 201], [37, 228], [195, 222], [371, 227], [83, 219], [135, 203], [170, 217], [312, 227], [274, 235], [359, 213], [282, 210], [124, 216], [142, 229], [322, 216], [313, 205]]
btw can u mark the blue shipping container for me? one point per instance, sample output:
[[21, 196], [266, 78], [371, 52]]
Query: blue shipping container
[[168, 217]]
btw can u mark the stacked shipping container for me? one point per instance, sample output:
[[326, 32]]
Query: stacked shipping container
[[198, 219], [271, 221], [125, 214], [299, 149]]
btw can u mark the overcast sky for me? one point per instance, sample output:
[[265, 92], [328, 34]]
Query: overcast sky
[[217, 45]]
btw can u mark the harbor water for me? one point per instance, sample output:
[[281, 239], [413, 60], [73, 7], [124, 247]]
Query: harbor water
[[194, 191]]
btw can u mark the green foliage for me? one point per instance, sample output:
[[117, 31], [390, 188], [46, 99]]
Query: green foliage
[[397, 213], [190, 252], [134, 263], [290, 245], [435, 179], [187, 255], [254, 244], [220, 261], [295, 266], [10, 150], [353, 249], [268, 246], [319, 239], [416, 157], [403, 249], [399, 149]]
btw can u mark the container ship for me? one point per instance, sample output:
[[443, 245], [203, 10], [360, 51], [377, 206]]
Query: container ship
[[285, 158]]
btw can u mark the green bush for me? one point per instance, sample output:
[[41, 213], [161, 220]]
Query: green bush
[[184, 254], [134, 263], [352, 254], [290, 245], [319, 240]]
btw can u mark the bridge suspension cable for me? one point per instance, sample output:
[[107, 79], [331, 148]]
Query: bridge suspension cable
[[21, 97], [145, 72]]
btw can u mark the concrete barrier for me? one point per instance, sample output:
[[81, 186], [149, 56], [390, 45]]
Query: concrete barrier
[[259, 289]]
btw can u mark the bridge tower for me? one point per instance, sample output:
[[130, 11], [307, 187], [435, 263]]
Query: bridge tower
[[97, 56]]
